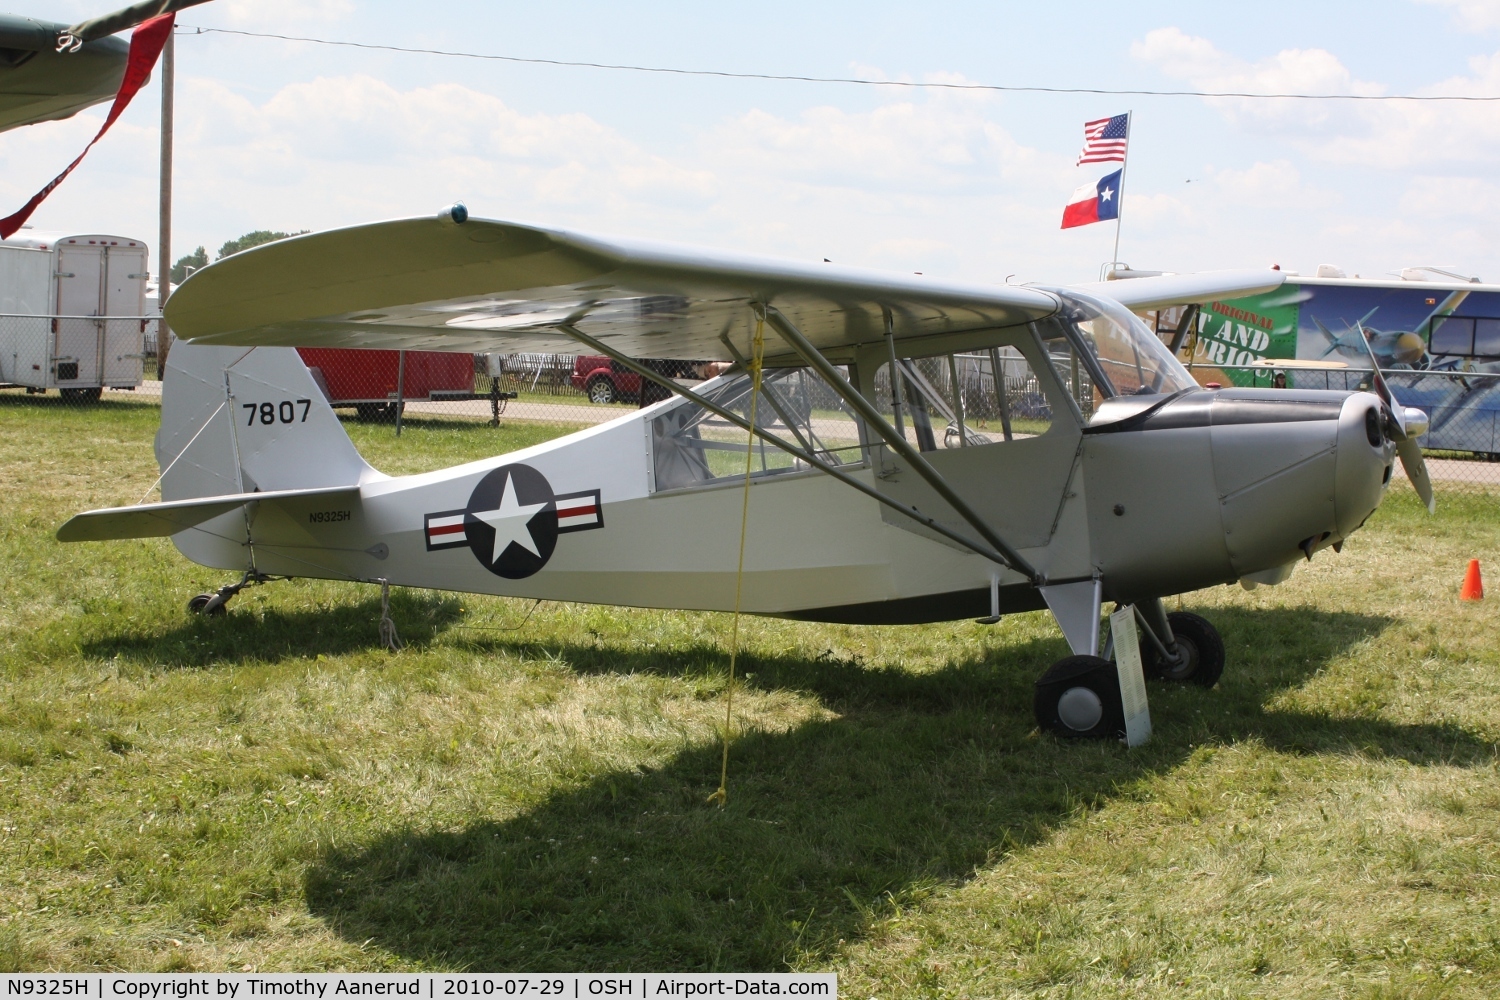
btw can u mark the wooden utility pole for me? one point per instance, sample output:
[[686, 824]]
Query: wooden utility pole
[[164, 236]]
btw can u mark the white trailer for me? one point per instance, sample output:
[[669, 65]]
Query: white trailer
[[72, 312]]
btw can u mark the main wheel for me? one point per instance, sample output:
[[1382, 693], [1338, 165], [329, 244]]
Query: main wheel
[[1198, 647], [603, 392], [198, 603], [1080, 697]]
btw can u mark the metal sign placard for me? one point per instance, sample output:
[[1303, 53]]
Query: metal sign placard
[[1132, 676]]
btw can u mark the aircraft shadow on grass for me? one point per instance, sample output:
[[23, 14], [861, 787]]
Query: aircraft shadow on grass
[[248, 634], [917, 781]]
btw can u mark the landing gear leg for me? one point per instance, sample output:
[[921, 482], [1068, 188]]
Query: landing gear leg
[[1191, 649], [214, 604], [1079, 696]]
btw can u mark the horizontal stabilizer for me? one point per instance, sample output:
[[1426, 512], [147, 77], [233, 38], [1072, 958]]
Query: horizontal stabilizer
[[157, 520]]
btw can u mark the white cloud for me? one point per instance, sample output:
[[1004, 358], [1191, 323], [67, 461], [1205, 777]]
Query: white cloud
[[281, 13], [1291, 71], [927, 182], [905, 185], [1471, 15], [1447, 199], [1371, 134], [344, 149]]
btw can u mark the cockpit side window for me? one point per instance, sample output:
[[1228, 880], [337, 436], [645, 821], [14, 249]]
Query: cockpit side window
[[964, 400], [1076, 367], [692, 447], [1113, 348]]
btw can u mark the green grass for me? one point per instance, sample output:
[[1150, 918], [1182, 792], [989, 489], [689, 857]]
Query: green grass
[[270, 790]]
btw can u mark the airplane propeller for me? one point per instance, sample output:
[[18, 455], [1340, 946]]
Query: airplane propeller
[[1407, 423], [73, 38]]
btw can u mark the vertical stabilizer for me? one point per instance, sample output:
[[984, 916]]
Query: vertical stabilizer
[[237, 420]]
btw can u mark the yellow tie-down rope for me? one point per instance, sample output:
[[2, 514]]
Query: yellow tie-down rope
[[721, 796]]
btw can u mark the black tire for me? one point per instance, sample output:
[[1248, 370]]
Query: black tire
[[88, 395], [1199, 648], [198, 603], [1079, 698], [370, 413], [602, 391]]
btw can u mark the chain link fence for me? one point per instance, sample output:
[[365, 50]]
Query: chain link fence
[[76, 357], [940, 402], [411, 390]]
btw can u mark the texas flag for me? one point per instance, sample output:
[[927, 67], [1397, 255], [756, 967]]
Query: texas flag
[[1094, 202]]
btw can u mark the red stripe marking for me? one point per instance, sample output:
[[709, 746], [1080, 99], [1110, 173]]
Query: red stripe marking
[[577, 511], [449, 529]]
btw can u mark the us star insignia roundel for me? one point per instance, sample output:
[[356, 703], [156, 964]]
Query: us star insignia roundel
[[512, 521]]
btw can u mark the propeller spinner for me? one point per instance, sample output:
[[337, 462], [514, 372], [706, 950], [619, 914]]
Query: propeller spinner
[[1407, 423]]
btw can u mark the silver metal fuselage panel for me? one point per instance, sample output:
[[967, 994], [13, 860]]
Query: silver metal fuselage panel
[[1206, 494]]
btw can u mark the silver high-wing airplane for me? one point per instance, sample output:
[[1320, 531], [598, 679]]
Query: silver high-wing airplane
[[1083, 464]]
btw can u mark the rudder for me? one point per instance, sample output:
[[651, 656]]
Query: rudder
[[237, 420]]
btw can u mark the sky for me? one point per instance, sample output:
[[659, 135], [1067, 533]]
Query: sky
[[970, 185]]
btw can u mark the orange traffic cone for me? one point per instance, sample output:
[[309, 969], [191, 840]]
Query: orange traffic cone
[[1473, 589]]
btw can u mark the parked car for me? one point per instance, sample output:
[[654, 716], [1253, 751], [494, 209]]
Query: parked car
[[603, 380]]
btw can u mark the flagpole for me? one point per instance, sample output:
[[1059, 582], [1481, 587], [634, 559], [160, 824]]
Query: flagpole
[[164, 221], [1120, 204]]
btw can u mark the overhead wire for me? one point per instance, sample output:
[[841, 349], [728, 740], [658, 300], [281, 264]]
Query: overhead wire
[[846, 80]]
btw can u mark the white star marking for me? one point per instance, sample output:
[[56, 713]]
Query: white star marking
[[1105, 194], [510, 520]]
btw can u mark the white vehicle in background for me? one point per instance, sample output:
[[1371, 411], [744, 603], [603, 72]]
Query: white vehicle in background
[[72, 312]]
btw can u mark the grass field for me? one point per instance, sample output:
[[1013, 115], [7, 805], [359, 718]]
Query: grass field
[[272, 791]]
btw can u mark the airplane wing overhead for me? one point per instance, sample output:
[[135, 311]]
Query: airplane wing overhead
[[436, 284], [1159, 291]]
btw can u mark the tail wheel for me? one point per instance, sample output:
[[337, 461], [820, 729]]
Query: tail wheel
[[1079, 697], [602, 391], [200, 602], [1198, 649]]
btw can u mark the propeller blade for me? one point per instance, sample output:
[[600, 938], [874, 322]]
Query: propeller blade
[[1416, 470], [120, 20], [1406, 444], [1396, 410]]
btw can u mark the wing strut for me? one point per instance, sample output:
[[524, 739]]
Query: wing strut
[[793, 450], [897, 442]]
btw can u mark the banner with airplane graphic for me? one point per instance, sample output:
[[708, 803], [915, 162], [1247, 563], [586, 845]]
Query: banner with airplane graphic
[[1407, 327]]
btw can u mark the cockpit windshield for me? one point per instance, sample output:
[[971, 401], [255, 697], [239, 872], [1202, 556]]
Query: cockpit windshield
[[1132, 360]]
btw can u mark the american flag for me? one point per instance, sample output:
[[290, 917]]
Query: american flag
[[1104, 140]]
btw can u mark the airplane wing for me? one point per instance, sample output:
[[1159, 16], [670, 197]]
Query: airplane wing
[[478, 285], [157, 520], [1160, 291]]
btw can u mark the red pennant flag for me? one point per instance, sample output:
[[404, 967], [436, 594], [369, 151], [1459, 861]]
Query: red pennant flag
[[146, 43]]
